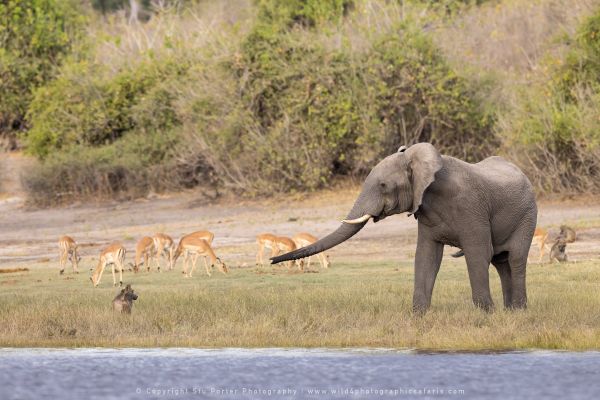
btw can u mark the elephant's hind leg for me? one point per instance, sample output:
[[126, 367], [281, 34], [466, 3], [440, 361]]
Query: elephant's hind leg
[[500, 261], [517, 259]]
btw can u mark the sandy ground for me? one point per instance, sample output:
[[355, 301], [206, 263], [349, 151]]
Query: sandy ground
[[30, 236]]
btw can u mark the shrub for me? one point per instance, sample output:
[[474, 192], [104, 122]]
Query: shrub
[[35, 35], [86, 105], [128, 168], [554, 130], [289, 106], [305, 113], [103, 134], [306, 13], [419, 97]]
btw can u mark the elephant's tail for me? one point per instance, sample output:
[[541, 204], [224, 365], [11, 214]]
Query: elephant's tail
[[459, 253]]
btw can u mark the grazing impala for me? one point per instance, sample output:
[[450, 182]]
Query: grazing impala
[[285, 244], [206, 235], [305, 239], [164, 243], [540, 236], [114, 255], [144, 248], [194, 247], [68, 250], [266, 241]]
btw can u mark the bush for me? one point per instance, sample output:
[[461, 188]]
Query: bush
[[129, 168], [289, 107], [307, 13], [103, 134], [305, 113], [86, 105], [554, 131], [35, 35]]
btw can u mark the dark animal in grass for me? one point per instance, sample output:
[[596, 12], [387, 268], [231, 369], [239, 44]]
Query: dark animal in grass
[[487, 209], [567, 233], [558, 251], [124, 300]]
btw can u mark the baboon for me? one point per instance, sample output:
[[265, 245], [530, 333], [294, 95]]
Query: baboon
[[124, 300], [567, 233], [558, 251]]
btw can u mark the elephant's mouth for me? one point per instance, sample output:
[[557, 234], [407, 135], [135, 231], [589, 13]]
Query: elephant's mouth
[[385, 212]]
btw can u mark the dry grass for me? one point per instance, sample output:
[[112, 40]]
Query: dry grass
[[203, 29], [366, 305], [511, 36]]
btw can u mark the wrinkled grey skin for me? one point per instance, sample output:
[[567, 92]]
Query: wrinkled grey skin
[[487, 209]]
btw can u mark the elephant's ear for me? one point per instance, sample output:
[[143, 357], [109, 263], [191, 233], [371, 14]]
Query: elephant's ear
[[424, 161]]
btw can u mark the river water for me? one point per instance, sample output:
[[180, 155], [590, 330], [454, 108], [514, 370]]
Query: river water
[[295, 374]]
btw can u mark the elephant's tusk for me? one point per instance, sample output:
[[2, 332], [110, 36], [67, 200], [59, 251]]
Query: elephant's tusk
[[360, 220]]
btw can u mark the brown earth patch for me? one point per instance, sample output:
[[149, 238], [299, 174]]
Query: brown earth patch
[[13, 270]]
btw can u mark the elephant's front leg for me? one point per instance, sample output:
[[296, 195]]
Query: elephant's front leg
[[478, 256], [427, 264]]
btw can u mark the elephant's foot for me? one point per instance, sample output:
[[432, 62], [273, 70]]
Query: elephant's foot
[[420, 304], [486, 304], [518, 304], [419, 310]]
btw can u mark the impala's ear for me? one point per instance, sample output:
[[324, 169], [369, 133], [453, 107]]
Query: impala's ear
[[423, 162]]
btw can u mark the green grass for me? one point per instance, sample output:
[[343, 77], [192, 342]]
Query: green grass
[[351, 304]]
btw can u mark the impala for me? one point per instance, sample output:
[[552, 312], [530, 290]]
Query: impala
[[144, 248], [68, 250], [266, 241], [194, 247], [205, 235], [276, 244], [164, 243], [285, 244], [540, 236], [305, 239], [114, 255]]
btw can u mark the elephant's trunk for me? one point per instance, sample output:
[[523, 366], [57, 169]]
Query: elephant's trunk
[[341, 234], [366, 206]]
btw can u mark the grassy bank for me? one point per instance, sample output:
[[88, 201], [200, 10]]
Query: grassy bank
[[352, 304]]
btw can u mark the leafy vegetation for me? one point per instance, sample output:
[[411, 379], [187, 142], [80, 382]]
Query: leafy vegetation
[[35, 37], [555, 128], [277, 96]]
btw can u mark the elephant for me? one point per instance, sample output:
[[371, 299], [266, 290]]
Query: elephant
[[487, 209]]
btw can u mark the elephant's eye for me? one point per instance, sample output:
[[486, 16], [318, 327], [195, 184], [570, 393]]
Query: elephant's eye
[[383, 185]]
